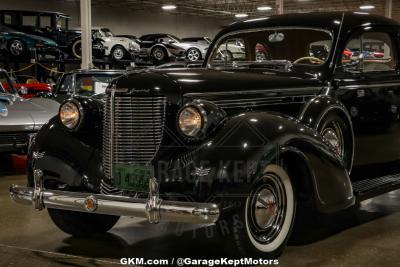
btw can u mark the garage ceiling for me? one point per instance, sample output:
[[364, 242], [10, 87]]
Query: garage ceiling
[[228, 8]]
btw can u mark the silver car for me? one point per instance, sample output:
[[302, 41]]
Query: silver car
[[20, 117], [196, 47]]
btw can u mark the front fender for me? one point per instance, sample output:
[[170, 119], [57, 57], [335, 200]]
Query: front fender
[[249, 142]]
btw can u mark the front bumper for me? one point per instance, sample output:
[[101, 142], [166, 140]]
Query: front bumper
[[154, 208]]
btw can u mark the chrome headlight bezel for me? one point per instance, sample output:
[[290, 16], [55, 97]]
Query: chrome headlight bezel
[[78, 110], [199, 132]]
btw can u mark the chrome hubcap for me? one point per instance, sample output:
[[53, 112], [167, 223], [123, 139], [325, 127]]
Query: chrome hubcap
[[267, 209], [333, 134], [193, 55], [16, 48], [118, 53]]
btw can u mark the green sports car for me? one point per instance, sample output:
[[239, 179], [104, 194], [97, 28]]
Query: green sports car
[[17, 44]]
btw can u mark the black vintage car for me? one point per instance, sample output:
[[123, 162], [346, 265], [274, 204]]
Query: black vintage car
[[51, 25], [253, 145]]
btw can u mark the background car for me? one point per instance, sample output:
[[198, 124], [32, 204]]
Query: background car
[[160, 47], [84, 83], [51, 25], [20, 117], [117, 47], [17, 44], [29, 86], [196, 47]]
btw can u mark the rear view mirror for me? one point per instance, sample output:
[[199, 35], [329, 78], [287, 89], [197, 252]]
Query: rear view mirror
[[276, 37]]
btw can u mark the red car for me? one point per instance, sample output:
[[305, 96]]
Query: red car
[[29, 87]]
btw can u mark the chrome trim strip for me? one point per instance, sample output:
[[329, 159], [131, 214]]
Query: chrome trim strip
[[360, 86], [112, 132], [272, 91]]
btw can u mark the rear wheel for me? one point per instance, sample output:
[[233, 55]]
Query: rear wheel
[[262, 225], [77, 49], [159, 54], [338, 133], [81, 223], [193, 54]]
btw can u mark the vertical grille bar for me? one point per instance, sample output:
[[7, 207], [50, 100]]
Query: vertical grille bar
[[133, 127]]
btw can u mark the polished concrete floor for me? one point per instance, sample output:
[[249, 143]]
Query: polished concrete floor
[[370, 237]]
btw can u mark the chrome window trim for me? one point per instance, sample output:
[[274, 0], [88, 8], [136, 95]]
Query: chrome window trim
[[218, 42]]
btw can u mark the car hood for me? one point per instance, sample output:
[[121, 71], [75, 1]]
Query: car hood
[[18, 114], [176, 83], [187, 45], [33, 37]]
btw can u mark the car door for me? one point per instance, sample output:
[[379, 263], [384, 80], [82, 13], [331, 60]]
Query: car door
[[368, 84]]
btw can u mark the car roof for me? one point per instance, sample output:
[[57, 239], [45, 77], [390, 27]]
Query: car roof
[[325, 20]]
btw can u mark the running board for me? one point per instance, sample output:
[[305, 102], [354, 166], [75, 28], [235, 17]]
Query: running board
[[368, 188]]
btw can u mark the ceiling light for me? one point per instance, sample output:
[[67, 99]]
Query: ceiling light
[[168, 7], [264, 8], [366, 7], [242, 15]]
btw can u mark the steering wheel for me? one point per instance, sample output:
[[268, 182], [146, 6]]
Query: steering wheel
[[311, 59]]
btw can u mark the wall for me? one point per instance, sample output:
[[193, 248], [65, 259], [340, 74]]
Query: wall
[[122, 21]]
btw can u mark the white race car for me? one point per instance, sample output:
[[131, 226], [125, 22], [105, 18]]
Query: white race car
[[118, 48]]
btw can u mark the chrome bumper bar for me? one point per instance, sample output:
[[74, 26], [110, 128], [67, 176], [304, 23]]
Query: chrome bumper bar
[[154, 208]]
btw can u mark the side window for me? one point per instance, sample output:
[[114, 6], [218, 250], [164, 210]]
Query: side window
[[9, 19], [45, 21], [66, 85], [29, 21], [370, 52]]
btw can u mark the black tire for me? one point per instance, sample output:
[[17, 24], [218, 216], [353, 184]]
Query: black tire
[[193, 54], [241, 229], [80, 223], [16, 47], [76, 48], [118, 53], [332, 120], [159, 54]]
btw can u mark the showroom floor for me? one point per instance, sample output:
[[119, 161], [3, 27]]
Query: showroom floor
[[28, 238]]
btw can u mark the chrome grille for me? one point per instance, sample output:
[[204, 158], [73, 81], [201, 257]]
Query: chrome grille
[[132, 130]]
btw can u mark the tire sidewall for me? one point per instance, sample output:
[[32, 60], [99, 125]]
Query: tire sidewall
[[74, 47], [239, 232]]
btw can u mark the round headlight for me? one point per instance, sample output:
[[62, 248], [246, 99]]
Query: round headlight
[[190, 121], [70, 115]]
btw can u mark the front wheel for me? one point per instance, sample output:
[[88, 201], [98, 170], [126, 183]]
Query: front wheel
[[118, 53], [262, 225], [159, 54], [80, 223], [16, 48], [193, 54]]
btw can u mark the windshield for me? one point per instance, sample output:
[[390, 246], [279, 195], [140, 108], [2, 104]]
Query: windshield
[[62, 22], [273, 47], [174, 39], [86, 84], [6, 85], [107, 32]]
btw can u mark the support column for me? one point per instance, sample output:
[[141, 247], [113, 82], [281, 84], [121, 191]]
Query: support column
[[279, 6], [388, 8], [86, 27]]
